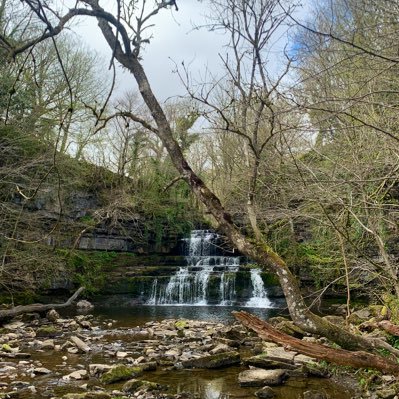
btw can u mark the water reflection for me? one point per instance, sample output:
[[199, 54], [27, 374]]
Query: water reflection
[[138, 315]]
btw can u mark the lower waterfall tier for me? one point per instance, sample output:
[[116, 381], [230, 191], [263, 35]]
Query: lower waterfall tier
[[209, 287]]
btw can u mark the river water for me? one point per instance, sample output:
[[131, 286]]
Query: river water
[[213, 384], [130, 316]]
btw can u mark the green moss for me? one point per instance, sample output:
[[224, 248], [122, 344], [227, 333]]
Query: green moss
[[6, 348], [180, 324], [120, 373], [392, 303], [89, 268], [47, 331]]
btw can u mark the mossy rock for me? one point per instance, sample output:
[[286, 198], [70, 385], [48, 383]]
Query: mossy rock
[[47, 331], [379, 311], [6, 348], [181, 324], [120, 373], [134, 384]]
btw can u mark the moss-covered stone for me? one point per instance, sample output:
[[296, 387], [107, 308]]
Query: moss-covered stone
[[47, 331], [6, 348], [120, 372], [181, 324]]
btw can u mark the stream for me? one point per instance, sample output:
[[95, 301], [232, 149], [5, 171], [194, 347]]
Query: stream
[[114, 331]]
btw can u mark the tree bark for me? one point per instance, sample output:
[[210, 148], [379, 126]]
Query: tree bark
[[38, 307], [359, 359]]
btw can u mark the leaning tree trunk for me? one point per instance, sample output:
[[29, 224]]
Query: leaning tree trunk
[[257, 250]]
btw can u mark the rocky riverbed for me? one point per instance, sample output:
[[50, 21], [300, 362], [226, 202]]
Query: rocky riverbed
[[86, 357]]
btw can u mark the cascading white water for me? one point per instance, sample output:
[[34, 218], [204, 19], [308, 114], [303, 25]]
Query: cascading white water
[[259, 297], [191, 284]]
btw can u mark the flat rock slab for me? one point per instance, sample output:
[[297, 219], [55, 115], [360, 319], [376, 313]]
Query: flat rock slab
[[303, 359], [260, 377], [263, 361], [213, 361], [281, 355]]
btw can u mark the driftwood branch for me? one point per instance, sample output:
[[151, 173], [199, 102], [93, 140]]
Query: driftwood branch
[[358, 359], [38, 307]]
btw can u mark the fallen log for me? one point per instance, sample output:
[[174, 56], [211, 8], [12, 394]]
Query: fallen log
[[342, 357], [38, 307]]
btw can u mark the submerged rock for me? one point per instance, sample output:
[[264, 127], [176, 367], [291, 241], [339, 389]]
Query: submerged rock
[[314, 395], [265, 393]]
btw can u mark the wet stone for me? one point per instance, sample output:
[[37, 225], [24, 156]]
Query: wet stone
[[213, 361], [265, 393], [260, 377]]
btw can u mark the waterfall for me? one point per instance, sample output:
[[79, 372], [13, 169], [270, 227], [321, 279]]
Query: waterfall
[[259, 297], [209, 277], [227, 289]]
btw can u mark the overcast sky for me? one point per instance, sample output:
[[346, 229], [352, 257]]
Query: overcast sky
[[174, 40]]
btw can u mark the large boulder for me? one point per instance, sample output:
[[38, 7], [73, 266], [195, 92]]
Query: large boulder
[[260, 377]]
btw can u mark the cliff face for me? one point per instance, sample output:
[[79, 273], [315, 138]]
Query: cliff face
[[54, 210], [84, 221]]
